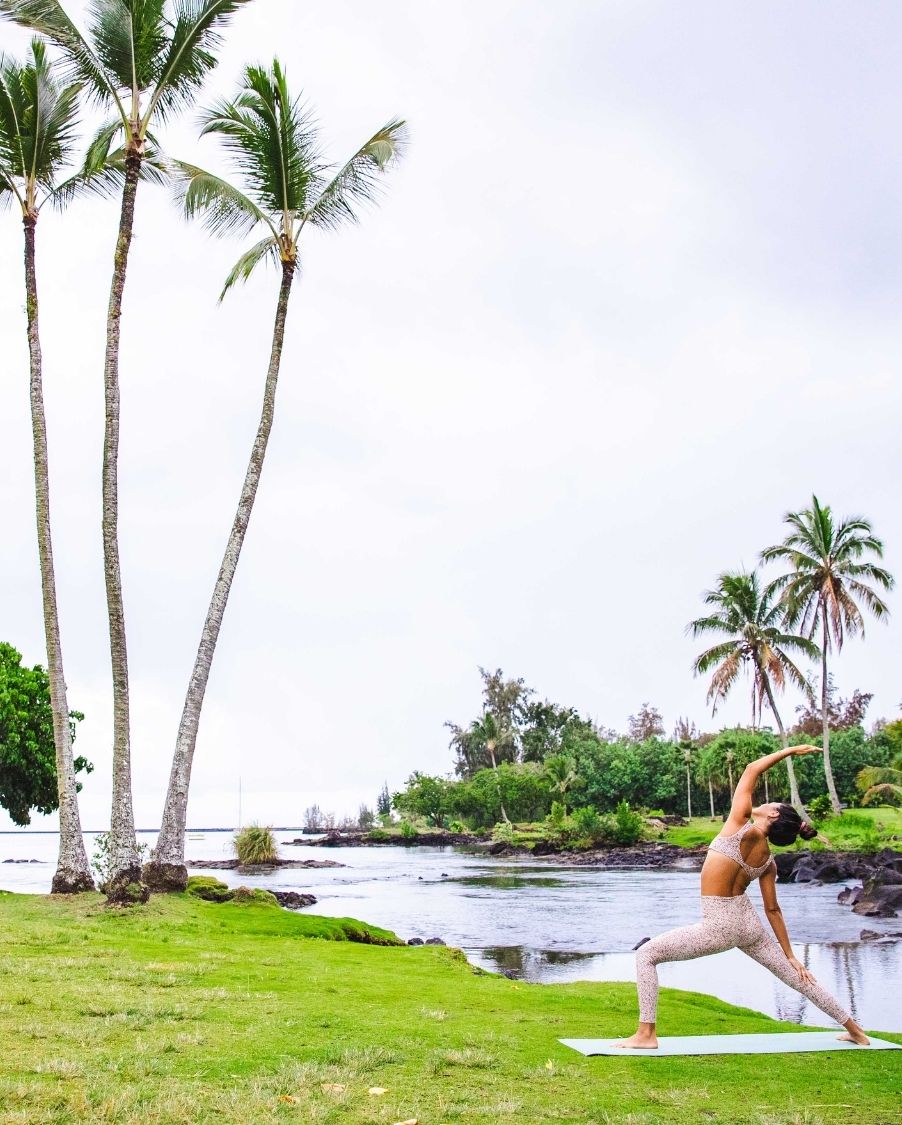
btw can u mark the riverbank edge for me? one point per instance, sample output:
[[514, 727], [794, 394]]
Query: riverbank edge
[[236, 995]]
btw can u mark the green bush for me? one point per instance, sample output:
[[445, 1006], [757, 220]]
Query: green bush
[[407, 829], [821, 808], [379, 835], [592, 827], [629, 826], [255, 844], [503, 832]]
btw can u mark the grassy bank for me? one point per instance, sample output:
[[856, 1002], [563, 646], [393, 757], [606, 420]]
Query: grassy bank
[[189, 1011], [855, 830]]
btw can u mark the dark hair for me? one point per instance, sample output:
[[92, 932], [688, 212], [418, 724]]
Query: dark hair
[[788, 825]]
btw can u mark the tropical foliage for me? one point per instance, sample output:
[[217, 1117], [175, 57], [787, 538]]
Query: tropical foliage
[[753, 625], [27, 750], [255, 843], [830, 581]]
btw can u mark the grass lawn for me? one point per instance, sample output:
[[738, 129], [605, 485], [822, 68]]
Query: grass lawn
[[843, 832], [191, 1011]]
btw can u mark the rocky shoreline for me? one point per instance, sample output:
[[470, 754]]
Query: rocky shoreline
[[880, 893], [259, 868]]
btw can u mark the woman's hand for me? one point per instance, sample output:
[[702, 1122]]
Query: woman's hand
[[807, 977], [806, 749]]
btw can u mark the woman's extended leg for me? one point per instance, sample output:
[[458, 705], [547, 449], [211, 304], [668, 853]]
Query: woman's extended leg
[[768, 953]]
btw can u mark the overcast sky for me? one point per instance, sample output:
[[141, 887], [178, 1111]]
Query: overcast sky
[[633, 293]]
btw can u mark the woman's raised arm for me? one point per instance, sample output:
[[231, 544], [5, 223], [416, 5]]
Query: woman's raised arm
[[741, 809]]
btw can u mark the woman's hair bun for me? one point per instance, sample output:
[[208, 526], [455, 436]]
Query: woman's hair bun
[[807, 831]]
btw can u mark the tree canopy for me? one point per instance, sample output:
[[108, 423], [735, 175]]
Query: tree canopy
[[27, 754]]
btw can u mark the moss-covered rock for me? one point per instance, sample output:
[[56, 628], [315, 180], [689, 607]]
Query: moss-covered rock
[[208, 888], [246, 895]]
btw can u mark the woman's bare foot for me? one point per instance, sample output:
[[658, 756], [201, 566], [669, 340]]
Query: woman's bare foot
[[644, 1039], [854, 1034]]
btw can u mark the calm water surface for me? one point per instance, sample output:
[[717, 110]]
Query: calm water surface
[[552, 923]]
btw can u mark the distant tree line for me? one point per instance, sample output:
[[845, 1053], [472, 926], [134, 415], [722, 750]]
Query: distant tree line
[[545, 753]]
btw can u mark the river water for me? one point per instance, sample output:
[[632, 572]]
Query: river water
[[550, 923]]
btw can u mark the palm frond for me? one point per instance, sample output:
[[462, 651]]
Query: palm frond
[[248, 262], [195, 35], [887, 793], [224, 209], [706, 660], [128, 37], [106, 179], [357, 182], [272, 142], [48, 18]]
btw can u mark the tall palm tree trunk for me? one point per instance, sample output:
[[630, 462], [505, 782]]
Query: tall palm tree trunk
[[491, 750], [794, 795], [166, 869], [124, 883], [73, 872], [711, 795], [825, 718]]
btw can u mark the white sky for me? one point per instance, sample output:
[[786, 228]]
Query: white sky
[[633, 294]]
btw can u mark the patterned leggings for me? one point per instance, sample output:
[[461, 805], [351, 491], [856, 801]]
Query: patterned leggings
[[727, 923]]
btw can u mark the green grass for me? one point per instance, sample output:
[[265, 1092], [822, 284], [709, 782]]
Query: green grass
[[855, 829], [192, 1011]]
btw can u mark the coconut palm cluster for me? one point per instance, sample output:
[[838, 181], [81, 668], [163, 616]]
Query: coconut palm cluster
[[141, 63]]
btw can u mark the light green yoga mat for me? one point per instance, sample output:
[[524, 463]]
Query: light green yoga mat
[[767, 1044]]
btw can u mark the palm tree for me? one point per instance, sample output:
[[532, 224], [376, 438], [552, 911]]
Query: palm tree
[[38, 120], [753, 622], [560, 769], [286, 188], [881, 783], [829, 577], [143, 60]]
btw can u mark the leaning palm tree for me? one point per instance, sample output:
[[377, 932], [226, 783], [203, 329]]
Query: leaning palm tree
[[38, 121], [753, 622], [142, 60], [829, 577], [286, 187]]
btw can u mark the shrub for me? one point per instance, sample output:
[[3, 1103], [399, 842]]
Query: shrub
[[255, 844], [503, 832], [379, 835], [407, 830], [821, 808], [592, 827], [458, 826], [629, 825]]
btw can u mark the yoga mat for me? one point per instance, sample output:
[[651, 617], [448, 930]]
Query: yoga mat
[[767, 1044]]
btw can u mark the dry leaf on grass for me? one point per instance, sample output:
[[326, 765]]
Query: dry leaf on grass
[[333, 1088], [290, 1098], [377, 1091]]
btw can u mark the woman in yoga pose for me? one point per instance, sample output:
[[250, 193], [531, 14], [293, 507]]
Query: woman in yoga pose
[[738, 856]]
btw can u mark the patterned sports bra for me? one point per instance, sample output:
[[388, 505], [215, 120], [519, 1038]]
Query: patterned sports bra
[[729, 846]]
